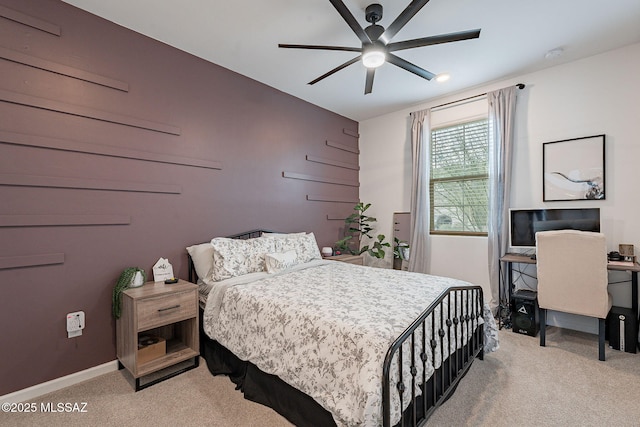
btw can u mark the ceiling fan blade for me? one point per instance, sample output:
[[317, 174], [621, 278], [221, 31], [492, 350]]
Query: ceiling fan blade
[[350, 20], [368, 86], [402, 19], [428, 41], [412, 68], [335, 70], [320, 47]]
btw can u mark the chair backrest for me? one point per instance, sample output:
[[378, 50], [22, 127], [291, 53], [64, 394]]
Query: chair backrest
[[572, 272]]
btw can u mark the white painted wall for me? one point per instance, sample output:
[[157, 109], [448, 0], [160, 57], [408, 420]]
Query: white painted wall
[[596, 95]]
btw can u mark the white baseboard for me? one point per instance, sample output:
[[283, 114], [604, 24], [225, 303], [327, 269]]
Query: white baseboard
[[59, 383]]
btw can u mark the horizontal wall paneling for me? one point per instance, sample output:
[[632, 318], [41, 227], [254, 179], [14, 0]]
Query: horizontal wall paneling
[[54, 67], [335, 199], [337, 163], [107, 147], [29, 21], [62, 220], [343, 147], [86, 184], [350, 132], [90, 113], [103, 150], [31, 260], [305, 177]]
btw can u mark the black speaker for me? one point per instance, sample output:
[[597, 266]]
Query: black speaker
[[622, 329], [525, 312]]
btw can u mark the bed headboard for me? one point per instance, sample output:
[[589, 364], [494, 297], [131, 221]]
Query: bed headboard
[[193, 276], [249, 234]]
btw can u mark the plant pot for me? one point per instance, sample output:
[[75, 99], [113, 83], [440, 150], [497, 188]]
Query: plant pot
[[137, 280]]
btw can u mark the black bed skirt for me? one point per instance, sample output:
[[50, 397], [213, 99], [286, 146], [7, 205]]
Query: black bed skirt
[[294, 405], [266, 389]]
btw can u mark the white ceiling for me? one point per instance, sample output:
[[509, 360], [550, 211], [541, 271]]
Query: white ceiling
[[243, 36]]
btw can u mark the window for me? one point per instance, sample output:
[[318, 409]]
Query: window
[[459, 181]]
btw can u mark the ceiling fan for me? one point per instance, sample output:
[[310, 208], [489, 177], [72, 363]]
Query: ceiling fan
[[376, 41]]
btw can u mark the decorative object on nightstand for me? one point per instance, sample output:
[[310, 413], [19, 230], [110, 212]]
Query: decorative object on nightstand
[[400, 253], [131, 277], [162, 270], [158, 330], [401, 236], [326, 251], [150, 347], [357, 225]]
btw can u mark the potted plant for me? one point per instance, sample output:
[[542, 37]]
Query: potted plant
[[400, 252], [359, 224], [131, 277]]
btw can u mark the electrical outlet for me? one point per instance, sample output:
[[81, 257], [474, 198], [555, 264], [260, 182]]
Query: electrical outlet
[[75, 324]]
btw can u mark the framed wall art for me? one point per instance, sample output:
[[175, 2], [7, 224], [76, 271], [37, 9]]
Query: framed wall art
[[573, 169]]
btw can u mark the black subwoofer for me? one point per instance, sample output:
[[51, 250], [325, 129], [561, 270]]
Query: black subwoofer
[[622, 329], [524, 312]]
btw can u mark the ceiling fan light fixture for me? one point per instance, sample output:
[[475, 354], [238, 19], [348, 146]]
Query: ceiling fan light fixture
[[377, 47], [373, 58]]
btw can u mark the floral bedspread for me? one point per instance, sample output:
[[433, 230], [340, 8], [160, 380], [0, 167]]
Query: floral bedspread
[[325, 328]]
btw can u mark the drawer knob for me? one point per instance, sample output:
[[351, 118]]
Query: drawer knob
[[173, 307]]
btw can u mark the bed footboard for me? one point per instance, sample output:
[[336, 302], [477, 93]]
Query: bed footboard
[[422, 348]]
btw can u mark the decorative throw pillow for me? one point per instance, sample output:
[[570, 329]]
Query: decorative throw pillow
[[236, 257], [202, 257], [279, 261], [305, 246]]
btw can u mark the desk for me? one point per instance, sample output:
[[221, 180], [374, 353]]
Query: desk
[[510, 259]]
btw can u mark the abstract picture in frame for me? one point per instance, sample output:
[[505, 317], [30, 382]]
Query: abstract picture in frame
[[573, 169]]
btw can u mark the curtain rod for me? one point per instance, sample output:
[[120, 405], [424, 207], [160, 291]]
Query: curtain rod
[[519, 86]]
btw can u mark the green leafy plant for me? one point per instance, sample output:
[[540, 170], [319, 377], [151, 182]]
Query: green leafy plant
[[124, 281], [359, 224]]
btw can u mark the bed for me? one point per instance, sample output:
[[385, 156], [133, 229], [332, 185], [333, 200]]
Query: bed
[[326, 343]]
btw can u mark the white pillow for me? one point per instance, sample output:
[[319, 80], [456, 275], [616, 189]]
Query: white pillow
[[236, 257], [202, 257], [305, 246], [279, 261]]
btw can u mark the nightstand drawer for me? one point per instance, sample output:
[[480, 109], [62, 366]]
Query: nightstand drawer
[[158, 311]]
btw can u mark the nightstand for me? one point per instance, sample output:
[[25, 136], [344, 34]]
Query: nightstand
[[349, 259], [167, 315]]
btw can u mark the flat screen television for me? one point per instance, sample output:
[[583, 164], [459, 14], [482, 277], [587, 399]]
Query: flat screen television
[[525, 223]]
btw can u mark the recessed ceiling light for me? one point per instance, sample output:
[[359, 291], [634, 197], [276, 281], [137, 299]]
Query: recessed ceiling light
[[554, 53], [441, 78]]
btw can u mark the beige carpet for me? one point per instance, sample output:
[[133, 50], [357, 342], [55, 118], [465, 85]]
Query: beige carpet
[[522, 384]]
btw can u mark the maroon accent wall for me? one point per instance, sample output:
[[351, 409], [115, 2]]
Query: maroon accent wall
[[116, 150]]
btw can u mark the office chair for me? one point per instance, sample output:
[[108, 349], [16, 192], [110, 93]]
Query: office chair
[[572, 277]]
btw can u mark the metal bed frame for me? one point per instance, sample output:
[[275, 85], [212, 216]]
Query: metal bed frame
[[463, 307], [466, 303]]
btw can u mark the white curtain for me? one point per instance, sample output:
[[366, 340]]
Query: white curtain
[[419, 238], [502, 105]]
